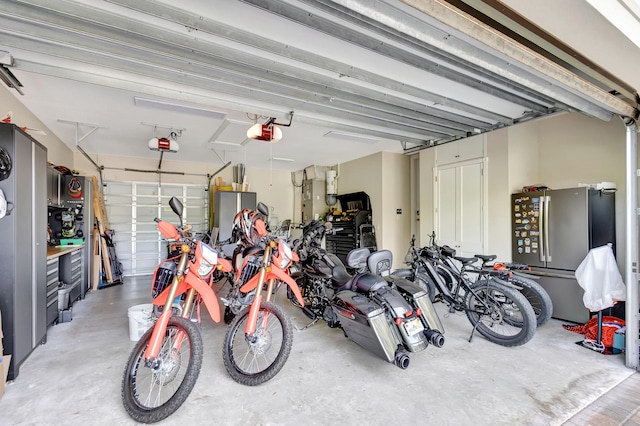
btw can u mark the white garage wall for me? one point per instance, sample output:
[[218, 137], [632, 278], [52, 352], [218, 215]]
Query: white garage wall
[[396, 194], [57, 152], [559, 152]]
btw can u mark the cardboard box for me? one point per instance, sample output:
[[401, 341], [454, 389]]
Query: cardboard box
[[4, 372]]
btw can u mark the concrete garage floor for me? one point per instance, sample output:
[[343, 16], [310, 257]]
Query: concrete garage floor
[[74, 379]]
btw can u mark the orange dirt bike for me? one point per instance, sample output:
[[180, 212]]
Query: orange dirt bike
[[258, 340], [165, 363]]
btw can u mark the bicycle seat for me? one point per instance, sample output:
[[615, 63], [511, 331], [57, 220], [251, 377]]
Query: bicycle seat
[[429, 252], [466, 260], [488, 258], [447, 251]]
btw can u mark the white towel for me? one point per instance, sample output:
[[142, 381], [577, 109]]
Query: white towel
[[600, 278]]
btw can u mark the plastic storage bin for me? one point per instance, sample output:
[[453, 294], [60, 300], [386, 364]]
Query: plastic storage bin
[[64, 291], [141, 318]]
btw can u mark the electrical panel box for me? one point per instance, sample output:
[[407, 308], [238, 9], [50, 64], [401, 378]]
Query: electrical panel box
[[313, 199]]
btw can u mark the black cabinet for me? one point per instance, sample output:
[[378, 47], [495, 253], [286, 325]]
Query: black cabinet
[[23, 252]]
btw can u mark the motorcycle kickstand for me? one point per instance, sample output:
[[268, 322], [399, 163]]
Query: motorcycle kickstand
[[308, 325]]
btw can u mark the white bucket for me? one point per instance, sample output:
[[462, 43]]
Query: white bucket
[[141, 318]]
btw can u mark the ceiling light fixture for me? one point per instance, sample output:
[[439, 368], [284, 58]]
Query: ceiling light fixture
[[176, 107], [168, 144], [351, 137], [282, 159], [268, 131], [163, 144]]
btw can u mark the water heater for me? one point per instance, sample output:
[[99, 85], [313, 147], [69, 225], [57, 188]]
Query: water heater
[[331, 182], [332, 190]]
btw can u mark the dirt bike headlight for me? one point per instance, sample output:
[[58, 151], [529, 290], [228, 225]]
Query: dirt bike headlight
[[287, 256], [208, 260]]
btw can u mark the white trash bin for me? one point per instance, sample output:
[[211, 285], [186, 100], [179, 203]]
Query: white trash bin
[[141, 318]]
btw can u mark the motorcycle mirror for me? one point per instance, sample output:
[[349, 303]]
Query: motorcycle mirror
[[262, 208], [177, 207]]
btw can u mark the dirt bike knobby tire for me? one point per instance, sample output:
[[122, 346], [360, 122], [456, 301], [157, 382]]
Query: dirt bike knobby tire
[[235, 337], [135, 366], [509, 298]]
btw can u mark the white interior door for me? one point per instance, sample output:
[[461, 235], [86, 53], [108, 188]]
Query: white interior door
[[458, 207]]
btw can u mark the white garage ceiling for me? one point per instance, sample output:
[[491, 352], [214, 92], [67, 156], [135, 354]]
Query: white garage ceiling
[[359, 76]]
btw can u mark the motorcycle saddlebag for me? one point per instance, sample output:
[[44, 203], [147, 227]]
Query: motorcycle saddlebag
[[421, 300], [364, 322]]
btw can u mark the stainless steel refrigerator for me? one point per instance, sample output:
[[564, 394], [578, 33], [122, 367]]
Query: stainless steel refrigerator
[[552, 231]]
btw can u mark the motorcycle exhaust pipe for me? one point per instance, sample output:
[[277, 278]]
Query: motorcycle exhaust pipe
[[401, 359], [435, 338]]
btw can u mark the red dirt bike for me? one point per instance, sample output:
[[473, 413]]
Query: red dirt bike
[[165, 363], [259, 338]]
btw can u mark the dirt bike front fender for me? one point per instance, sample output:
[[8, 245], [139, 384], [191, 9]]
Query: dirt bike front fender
[[277, 274], [208, 296], [161, 299]]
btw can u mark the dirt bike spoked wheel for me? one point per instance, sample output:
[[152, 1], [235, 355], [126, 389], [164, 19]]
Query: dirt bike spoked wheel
[[152, 393], [252, 360], [500, 313], [537, 297]]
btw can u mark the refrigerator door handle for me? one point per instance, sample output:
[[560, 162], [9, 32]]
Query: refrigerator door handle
[[542, 228], [546, 227]]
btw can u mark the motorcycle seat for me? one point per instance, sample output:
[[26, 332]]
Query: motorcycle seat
[[365, 283], [340, 275]]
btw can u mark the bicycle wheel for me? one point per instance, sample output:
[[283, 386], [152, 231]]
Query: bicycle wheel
[[252, 360], [153, 393], [537, 297], [500, 313]]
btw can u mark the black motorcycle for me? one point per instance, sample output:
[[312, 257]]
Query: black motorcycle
[[389, 316]]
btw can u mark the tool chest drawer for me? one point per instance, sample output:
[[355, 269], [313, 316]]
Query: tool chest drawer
[[53, 279], [71, 273]]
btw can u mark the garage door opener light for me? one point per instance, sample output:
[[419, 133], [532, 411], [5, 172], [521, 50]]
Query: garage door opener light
[[268, 132]]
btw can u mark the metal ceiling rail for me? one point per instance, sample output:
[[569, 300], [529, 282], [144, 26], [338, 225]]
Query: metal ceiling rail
[[365, 41], [586, 97], [438, 55], [498, 15], [347, 71], [141, 84], [102, 40], [234, 84]]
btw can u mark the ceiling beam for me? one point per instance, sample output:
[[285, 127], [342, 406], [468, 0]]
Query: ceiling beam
[[555, 80]]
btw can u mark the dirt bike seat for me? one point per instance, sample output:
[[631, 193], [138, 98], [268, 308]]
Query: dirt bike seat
[[365, 283], [488, 258]]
